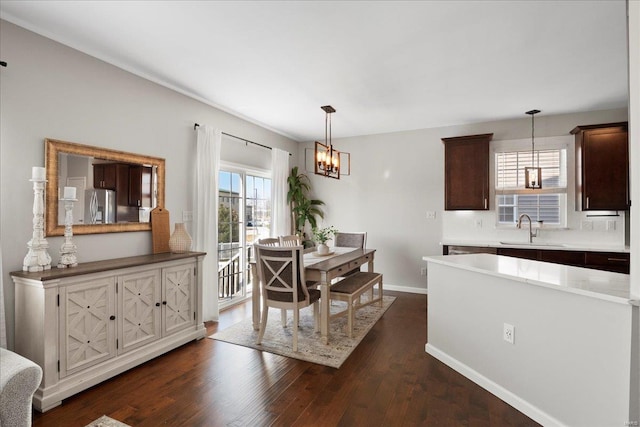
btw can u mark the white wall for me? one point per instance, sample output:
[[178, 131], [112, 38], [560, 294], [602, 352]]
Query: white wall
[[569, 364], [397, 177], [49, 90]]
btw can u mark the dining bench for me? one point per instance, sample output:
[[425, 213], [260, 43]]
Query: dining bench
[[350, 289]]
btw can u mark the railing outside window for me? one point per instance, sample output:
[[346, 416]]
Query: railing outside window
[[231, 276]]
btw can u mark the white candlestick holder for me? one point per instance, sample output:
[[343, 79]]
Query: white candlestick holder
[[68, 249], [37, 258]]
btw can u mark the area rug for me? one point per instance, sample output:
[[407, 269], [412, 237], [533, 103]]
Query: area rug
[[279, 340], [105, 421]]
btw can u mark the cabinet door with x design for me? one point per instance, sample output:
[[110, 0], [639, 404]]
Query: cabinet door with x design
[[87, 329], [178, 298], [139, 296]]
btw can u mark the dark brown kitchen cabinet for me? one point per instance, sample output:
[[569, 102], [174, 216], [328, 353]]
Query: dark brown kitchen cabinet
[[610, 261], [140, 186], [466, 172], [575, 258], [602, 167], [105, 176], [617, 262], [122, 184], [519, 253]]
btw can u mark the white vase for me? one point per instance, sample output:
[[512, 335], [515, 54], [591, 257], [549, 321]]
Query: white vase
[[180, 240], [323, 249]]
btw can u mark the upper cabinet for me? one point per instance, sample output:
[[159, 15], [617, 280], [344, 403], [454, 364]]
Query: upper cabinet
[[466, 172], [140, 186], [602, 167], [104, 176]]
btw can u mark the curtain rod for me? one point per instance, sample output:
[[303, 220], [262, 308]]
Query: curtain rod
[[196, 125]]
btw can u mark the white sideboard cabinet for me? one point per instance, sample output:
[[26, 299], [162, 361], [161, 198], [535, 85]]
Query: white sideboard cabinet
[[85, 324]]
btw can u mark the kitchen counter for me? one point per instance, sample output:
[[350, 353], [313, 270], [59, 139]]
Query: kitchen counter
[[614, 287], [602, 257], [537, 245], [553, 341]]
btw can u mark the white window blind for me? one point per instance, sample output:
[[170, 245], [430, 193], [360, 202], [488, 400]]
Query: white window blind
[[513, 199], [510, 170]]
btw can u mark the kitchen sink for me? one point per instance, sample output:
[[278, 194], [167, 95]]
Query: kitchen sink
[[557, 245]]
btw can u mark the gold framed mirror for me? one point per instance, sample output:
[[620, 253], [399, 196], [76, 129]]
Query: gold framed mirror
[[115, 190]]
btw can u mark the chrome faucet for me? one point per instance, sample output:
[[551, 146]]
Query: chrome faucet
[[532, 233]]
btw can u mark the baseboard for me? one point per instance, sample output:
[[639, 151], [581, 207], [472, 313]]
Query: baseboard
[[407, 289], [512, 399]]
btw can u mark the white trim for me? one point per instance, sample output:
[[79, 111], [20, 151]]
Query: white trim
[[239, 167], [512, 399], [243, 171], [406, 289]]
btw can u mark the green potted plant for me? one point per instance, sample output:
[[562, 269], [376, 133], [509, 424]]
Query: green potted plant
[[321, 235], [303, 208]]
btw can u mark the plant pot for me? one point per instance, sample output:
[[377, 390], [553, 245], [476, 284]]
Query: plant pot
[[323, 249]]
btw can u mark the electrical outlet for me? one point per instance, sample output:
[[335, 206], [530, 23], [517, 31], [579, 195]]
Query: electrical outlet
[[431, 214], [187, 216], [423, 271], [508, 333], [587, 224], [611, 225]]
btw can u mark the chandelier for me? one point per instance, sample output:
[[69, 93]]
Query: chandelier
[[327, 159], [533, 174]]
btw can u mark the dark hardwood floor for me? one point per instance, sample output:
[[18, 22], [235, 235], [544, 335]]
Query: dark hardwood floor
[[388, 380]]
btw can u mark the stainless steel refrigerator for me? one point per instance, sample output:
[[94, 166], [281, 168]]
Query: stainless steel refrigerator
[[100, 206]]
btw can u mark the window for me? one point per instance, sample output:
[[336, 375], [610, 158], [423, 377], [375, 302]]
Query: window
[[513, 199], [258, 207], [244, 215]]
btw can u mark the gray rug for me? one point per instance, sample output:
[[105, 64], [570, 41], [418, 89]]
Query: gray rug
[[279, 340], [105, 421]]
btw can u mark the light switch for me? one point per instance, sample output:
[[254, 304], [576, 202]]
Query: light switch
[[431, 214]]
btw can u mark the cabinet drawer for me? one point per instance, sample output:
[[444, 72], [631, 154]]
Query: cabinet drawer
[[575, 258], [610, 261], [357, 263], [519, 253]]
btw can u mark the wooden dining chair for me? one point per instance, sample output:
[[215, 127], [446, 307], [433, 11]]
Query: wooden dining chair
[[351, 240], [281, 272], [291, 240], [269, 241]]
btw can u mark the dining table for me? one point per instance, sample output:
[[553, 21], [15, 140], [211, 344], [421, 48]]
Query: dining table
[[322, 269]]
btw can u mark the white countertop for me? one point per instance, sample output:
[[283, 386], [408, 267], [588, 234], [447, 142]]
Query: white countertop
[[614, 287], [538, 244]]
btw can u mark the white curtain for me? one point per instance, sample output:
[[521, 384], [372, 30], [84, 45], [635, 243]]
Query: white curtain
[[280, 214], [205, 212]]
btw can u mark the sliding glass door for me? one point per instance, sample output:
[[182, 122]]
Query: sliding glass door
[[244, 215]]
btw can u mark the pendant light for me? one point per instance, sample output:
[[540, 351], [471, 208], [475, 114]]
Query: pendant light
[[327, 159], [533, 174]]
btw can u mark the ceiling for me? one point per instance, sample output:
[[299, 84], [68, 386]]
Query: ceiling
[[385, 66]]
